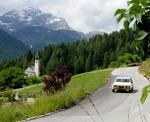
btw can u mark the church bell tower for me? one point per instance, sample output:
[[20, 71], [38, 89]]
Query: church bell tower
[[37, 64]]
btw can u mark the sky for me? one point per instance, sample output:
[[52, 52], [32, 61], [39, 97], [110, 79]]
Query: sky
[[81, 15]]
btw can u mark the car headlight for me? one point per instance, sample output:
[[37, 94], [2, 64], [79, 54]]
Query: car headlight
[[128, 87], [114, 86]]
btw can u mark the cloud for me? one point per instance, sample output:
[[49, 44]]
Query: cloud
[[82, 15], [88, 15]]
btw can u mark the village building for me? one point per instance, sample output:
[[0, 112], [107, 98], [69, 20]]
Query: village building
[[34, 70]]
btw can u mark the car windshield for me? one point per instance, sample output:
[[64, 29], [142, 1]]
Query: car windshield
[[122, 80]]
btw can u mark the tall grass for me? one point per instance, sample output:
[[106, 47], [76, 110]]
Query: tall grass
[[145, 68], [80, 86]]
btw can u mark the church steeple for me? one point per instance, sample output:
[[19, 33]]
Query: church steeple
[[37, 64], [37, 56]]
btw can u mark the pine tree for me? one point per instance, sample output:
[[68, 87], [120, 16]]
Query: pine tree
[[88, 64], [29, 56], [106, 60]]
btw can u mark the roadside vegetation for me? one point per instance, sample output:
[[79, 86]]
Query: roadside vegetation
[[57, 80], [79, 87], [145, 70], [126, 60]]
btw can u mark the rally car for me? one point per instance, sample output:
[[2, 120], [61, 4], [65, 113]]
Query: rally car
[[123, 84]]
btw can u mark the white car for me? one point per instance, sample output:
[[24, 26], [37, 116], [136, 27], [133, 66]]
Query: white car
[[123, 83]]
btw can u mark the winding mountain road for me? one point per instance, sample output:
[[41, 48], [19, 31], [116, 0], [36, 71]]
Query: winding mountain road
[[105, 106]]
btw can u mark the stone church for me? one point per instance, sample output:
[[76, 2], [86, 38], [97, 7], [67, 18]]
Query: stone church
[[34, 70]]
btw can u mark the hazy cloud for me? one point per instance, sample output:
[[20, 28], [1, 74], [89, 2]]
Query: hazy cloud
[[82, 15]]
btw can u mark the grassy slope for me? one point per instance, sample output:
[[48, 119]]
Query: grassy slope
[[80, 86], [145, 68]]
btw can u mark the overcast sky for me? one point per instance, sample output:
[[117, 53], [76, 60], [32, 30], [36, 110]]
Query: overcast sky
[[81, 15]]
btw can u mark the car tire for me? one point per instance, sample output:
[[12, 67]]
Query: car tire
[[132, 90], [115, 90], [128, 90]]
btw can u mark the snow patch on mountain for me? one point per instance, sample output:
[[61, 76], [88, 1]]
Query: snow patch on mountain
[[20, 18], [12, 30], [2, 23], [54, 20]]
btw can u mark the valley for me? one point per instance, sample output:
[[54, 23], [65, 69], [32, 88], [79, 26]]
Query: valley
[[59, 61]]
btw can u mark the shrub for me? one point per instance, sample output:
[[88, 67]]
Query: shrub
[[1, 101], [128, 59], [114, 64], [57, 80], [33, 80], [9, 94], [12, 77]]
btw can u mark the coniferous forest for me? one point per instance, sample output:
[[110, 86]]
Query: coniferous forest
[[81, 56]]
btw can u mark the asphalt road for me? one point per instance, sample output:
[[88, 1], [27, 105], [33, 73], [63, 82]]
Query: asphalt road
[[105, 106]]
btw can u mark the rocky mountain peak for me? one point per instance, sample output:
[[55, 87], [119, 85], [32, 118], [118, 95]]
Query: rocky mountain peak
[[20, 18]]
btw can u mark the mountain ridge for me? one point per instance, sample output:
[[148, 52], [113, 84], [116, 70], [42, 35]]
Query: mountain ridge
[[17, 19], [36, 28], [10, 47]]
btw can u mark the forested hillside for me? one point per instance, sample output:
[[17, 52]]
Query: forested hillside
[[81, 56], [9, 46]]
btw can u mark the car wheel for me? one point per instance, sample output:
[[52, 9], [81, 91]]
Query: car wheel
[[115, 90], [132, 90], [128, 90]]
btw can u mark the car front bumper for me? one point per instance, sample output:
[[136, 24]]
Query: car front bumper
[[119, 88]]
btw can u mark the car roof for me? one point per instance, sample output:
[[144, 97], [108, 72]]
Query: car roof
[[123, 77]]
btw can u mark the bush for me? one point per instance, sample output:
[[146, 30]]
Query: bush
[[9, 94], [12, 77], [33, 80], [114, 64], [128, 59], [57, 80]]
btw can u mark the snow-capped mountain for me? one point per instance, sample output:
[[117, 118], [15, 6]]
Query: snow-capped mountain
[[17, 19], [36, 28]]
